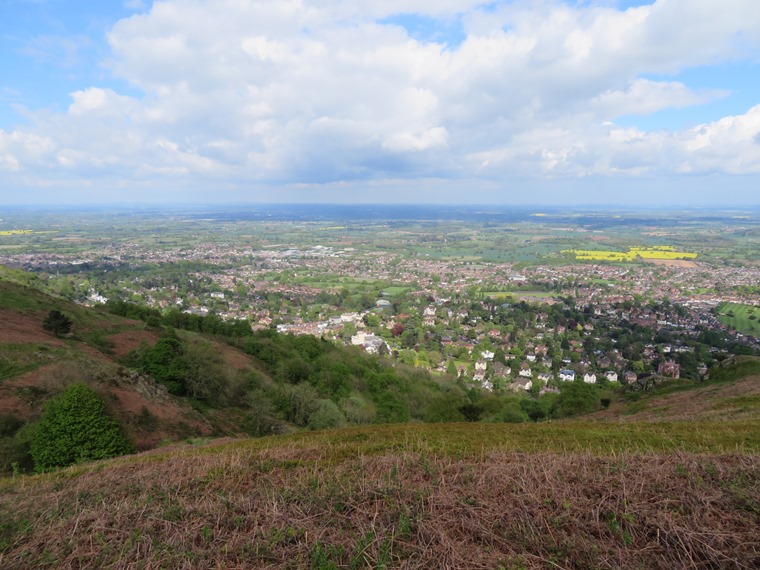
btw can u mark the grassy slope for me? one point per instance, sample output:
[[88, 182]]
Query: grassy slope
[[566, 495], [732, 393]]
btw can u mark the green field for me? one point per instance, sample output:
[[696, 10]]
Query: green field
[[395, 290], [743, 318]]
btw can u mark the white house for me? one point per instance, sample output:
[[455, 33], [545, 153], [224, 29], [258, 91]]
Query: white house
[[525, 373], [589, 378], [359, 338], [611, 376], [369, 342], [487, 354], [567, 375]]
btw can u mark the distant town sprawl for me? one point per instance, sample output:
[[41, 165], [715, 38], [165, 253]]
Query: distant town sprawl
[[496, 324]]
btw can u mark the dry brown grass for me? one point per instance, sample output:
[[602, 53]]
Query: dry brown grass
[[730, 401], [298, 506]]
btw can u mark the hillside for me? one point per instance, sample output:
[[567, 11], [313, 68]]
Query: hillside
[[561, 495], [35, 365], [732, 393]]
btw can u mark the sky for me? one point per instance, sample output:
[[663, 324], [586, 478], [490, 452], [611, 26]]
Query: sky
[[554, 102]]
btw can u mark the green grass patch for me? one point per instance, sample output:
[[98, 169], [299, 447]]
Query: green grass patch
[[17, 359], [473, 440], [395, 290], [739, 367], [537, 294], [498, 294], [743, 318], [744, 403]]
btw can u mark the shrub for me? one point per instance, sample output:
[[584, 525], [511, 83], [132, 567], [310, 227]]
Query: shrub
[[510, 413], [74, 427], [14, 455], [327, 415], [533, 409], [296, 403], [576, 398], [9, 425], [391, 409], [358, 410], [444, 408], [260, 419]]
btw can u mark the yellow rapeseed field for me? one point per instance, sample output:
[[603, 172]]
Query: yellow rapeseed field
[[15, 232], [657, 252]]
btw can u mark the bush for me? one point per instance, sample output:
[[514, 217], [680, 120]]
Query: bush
[[73, 428], [391, 409], [260, 420], [444, 408], [576, 398], [165, 364], [296, 403], [9, 425], [327, 415], [533, 409], [14, 455], [510, 413], [358, 410]]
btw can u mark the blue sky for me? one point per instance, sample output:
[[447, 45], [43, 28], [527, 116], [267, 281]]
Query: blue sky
[[555, 102]]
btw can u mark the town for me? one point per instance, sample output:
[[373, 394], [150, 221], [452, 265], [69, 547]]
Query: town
[[496, 325]]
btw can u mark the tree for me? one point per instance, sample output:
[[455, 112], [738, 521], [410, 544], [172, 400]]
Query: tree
[[57, 323], [74, 427]]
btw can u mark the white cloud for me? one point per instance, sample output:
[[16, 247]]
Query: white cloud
[[320, 91], [643, 97]]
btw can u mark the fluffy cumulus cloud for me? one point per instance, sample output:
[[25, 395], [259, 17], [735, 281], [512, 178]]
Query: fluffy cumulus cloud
[[243, 92]]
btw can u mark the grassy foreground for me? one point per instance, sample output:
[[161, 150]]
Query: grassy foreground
[[560, 495]]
